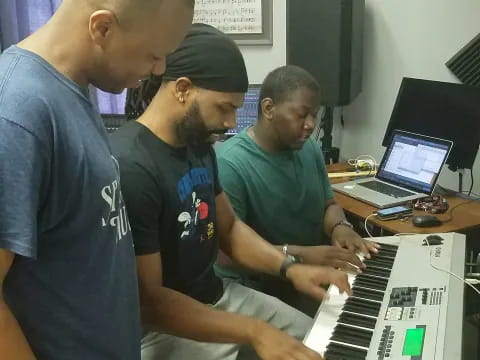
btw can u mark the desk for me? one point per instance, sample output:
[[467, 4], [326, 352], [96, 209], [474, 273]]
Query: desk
[[465, 218]]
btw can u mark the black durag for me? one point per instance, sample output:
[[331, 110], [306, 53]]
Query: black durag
[[210, 59]]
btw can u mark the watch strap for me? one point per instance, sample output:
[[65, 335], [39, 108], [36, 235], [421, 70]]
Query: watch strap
[[289, 261]]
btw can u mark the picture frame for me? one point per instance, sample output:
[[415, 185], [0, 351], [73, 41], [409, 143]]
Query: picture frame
[[234, 16]]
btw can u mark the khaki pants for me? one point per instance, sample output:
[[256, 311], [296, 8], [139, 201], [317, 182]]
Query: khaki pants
[[239, 299]]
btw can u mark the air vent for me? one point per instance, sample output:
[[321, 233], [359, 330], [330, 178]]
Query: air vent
[[465, 65]]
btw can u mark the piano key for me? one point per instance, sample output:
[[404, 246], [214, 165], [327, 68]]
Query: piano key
[[385, 254], [367, 294], [350, 339], [373, 278], [360, 313], [354, 336], [363, 302], [357, 320], [389, 246], [326, 319], [371, 270], [387, 258], [359, 309], [343, 352], [368, 285], [378, 264], [364, 307], [384, 259], [370, 282]]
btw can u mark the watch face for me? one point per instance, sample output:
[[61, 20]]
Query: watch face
[[289, 260]]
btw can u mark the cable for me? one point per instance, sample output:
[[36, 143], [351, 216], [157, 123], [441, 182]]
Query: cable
[[371, 236], [450, 213], [363, 159], [366, 227], [447, 271], [471, 193], [471, 183]]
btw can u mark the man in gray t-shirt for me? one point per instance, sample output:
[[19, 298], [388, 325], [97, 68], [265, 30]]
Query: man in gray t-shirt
[[67, 268]]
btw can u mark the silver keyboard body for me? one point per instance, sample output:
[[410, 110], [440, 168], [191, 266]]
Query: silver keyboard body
[[420, 304]]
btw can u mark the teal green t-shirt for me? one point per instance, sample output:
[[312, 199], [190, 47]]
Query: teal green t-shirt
[[282, 195]]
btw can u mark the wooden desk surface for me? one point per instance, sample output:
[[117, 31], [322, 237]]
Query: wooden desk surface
[[465, 217]]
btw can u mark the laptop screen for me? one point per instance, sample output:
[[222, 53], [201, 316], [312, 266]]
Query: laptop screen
[[414, 161]]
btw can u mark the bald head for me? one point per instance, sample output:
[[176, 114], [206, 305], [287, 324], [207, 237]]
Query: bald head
[[128, 11], [118, 43]]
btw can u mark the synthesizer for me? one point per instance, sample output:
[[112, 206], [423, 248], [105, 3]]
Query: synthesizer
[[402, 306]]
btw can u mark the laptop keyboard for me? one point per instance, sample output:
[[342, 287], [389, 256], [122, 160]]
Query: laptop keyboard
[[386, 189]]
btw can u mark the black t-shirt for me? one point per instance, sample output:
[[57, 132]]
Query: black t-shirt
[[170, 198]]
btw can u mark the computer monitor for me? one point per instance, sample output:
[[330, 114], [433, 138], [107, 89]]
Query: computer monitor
[[443, 110], [248, 113]]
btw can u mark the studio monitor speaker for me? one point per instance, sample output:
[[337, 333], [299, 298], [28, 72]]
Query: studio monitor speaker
[[325, 37]]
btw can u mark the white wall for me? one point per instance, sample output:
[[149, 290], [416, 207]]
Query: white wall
[[404, 38], [261, 59]]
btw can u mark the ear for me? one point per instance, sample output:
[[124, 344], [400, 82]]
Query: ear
[[268, 108], [101, 25], [183, 89]]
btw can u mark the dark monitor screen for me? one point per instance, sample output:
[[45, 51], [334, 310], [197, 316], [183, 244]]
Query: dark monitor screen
[[248, 113], [443, 110]]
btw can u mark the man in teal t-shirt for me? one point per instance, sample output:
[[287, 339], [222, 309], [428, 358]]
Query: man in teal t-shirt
[[276, 179]]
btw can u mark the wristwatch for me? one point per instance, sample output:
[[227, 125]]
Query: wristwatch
[[342, 222], [289, 261]]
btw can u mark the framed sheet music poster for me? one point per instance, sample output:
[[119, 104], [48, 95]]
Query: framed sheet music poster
[[248, 22]]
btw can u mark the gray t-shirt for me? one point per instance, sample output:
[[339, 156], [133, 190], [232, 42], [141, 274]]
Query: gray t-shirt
[[72, 286]]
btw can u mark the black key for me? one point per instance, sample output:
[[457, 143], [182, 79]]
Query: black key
[[384, 258], [373, 278], [355, 336], [357, 320], [378, 264], [368, 285], [372, 270], [388, 260], [388, 246], [367, 294], [365, 303], [386, 253], [364, 307], [344, 352], [360, 310], [371, 282]]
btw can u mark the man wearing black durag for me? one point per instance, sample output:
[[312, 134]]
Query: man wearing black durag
[[180, 217]]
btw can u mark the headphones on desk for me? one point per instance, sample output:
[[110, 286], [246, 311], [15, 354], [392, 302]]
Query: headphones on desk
[[431, 204]]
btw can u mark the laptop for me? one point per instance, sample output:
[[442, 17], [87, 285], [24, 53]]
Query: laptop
[[409, 170]]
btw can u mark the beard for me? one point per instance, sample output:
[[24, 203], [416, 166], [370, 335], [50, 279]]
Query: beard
[[191, 129]]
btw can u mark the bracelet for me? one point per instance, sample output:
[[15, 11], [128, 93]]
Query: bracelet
[[342, 222], [298, 259]]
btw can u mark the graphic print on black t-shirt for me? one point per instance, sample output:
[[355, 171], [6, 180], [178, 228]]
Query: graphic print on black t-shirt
[[195, 194], [170, 199]]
